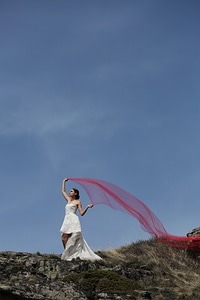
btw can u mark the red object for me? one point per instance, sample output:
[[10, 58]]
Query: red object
[[103, 192]]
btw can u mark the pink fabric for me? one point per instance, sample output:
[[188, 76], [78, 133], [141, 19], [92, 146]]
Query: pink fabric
[[103, 192]]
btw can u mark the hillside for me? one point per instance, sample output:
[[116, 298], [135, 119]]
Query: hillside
[[142, 270]]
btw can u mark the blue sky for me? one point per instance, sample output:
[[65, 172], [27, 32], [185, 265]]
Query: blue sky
[[98, 89]]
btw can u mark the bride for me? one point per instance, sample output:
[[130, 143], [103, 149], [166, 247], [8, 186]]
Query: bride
[[74, 244]]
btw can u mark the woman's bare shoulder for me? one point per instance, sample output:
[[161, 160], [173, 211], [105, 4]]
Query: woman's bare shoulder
[[78, 202]]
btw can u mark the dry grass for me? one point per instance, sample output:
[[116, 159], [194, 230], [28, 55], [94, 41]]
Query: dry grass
[[165, 271]]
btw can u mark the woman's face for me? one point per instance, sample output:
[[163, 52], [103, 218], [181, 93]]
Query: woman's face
[[72, 193]]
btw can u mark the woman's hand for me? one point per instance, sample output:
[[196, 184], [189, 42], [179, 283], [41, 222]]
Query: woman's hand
[[66, 179], [90, 205]]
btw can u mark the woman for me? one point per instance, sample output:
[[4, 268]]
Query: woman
[[72, 239]]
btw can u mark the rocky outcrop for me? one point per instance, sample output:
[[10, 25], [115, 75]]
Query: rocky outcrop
[[35, 276], [44, 277], [195, 249], [194, 232], [142, 270]]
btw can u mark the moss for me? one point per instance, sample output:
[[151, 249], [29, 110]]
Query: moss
[[104, 281]]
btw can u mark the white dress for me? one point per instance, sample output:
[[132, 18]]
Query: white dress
[[76, 245]]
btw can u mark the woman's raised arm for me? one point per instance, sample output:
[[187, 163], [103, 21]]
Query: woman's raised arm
[[64, 190]]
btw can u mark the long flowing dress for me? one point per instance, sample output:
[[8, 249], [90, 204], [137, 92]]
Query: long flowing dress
[[76, 245]]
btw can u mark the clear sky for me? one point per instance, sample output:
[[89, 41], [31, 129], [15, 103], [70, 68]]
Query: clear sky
[[98, 89]]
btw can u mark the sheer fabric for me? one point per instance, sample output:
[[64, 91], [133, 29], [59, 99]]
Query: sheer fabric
[[103, 192]]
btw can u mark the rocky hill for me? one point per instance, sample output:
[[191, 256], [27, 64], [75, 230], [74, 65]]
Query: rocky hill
[[142, 270]]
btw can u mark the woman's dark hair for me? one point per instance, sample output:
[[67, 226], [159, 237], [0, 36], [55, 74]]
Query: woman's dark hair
[[77, 193]]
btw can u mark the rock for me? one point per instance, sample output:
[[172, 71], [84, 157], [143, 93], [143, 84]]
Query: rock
[[46, 277], [144, 270], [194, 232], [33, 276]]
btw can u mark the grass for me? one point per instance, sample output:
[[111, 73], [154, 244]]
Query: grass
[[166, 272]]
